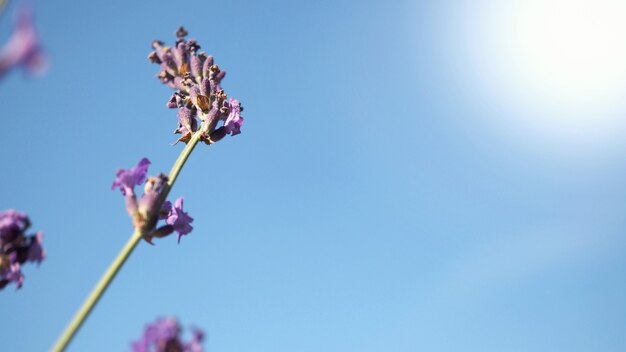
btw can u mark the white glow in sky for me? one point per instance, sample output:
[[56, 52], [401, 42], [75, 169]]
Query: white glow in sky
[[551, 70]]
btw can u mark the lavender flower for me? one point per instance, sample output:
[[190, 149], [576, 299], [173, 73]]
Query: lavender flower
[[164, 336], [178, 219], [140, 210], [23, 49], [127, 179], [16, 248], [198, 91], [234, 121]]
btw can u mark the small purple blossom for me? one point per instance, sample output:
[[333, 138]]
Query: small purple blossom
[[22, 48], [179, 220], [234, 121], [164, 335], [198, 91], [17, 248], [141, 210], [127, 179]]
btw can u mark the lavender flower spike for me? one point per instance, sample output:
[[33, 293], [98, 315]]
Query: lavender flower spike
[[140, 210], [198, 90], [179, 219], [22, 49], [164, 336], [16, 248]]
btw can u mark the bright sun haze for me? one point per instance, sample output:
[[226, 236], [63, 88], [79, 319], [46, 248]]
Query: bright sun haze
[[555, 70]]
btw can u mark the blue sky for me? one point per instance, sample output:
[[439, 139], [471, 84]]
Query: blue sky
[[410, 176]]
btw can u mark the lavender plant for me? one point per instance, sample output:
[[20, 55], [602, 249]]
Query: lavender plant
[[17, 248], [22, 48], [164, 335], [176, 219], [205, 114]]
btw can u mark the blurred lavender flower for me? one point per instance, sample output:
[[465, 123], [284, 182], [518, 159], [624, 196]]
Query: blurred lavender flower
[[139, 211], [178, 219], [126, 180], [23, 49], [16, 248], [164, 336], [198, 91]]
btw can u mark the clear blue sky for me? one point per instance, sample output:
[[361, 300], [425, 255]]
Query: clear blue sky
[[385, 194]]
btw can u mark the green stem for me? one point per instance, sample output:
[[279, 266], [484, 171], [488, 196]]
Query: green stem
[[97, 292], [114, 268], [178, 165]]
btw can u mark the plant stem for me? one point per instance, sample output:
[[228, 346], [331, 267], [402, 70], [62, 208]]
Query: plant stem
[[97, 292], [114, 268], [178, 165]]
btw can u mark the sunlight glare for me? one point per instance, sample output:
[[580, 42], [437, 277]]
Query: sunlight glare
[[550, 69]]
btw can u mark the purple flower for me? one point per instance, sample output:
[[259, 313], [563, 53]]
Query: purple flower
[[234, 120], [164, 335], [126, 180], [17, 248], [12, 225], [179, 220], [198, 91], [142, 211], [22, 49]]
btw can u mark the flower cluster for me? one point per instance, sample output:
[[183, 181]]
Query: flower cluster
[[22, 49], [164, 336], [140, 210], [199, 94], [16, 247]]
